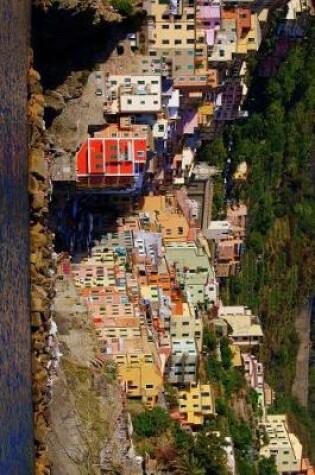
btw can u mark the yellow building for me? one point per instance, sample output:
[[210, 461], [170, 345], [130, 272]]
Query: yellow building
[[251, 40], [196, 403], [171, 34], [151, 204], [137, 367], [179, 33], [173, 226]]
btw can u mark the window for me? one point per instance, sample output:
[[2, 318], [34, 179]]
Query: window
[[178, 42], [190, 66], [190, 52], [190, 41], [141, 153], [221, 53], [113, 147], [141, 81], [251, 40], [178, 27], [180, 230], [113, 82], [98, 166], [178, 53], [155, 82], [190, 27], [127, 79], [155, 102], [152, 53], [165, 27], [149, 386], [129, 101], [165, 42], [191, 16]]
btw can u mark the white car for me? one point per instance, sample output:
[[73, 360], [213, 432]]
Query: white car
[[132, 37]]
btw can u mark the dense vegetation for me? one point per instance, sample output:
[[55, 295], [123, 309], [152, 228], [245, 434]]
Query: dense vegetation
[[203, 453], [277, 274]]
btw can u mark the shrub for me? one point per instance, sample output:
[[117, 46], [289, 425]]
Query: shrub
[[124, 7], [151, 423]]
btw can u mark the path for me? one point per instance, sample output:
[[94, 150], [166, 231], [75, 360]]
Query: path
[[300, 385]]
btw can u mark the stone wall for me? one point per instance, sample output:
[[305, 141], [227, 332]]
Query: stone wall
[[42, 268]]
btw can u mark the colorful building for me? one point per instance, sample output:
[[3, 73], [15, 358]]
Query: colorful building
[[195, 404], [106, 162], [138, 368], [193, 270]]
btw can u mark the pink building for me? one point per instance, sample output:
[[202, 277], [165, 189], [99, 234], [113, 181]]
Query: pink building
[[254, 371], [237, 216], [208, 19]]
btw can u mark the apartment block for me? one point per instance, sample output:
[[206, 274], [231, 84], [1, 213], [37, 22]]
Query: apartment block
[[254, 375], [219, 230], [193, 270], [104, 295], [182, 365], [172, 226], [86, 275], [127, 94], [282, 444], [236, 215], [111, 161], [227, 256], [245, 329], [171, 32], [137, 367], [196, 404], [185, 322]]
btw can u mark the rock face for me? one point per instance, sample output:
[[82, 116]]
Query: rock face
[[42, 270]]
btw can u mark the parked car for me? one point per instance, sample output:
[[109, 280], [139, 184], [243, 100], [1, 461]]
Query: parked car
[[98, 92], [132, 37]]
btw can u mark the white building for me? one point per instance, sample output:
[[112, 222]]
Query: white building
[[133, 94], [245, 328], [219, 230], [282, 444], [183, 361]]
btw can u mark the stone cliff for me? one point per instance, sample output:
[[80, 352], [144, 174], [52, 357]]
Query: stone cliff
[[42, 270], [69, 38]]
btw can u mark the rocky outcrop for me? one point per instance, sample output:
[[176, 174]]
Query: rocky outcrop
[[100, 9], [42, 272]]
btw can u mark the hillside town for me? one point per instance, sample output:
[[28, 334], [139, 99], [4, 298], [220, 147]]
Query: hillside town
[[135, 231]]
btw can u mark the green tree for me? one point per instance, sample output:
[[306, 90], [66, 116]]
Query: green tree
[[209, 450], [151, 423], [267, 466], [209, 340], [226, 353], [124, 7], [187, 464]]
